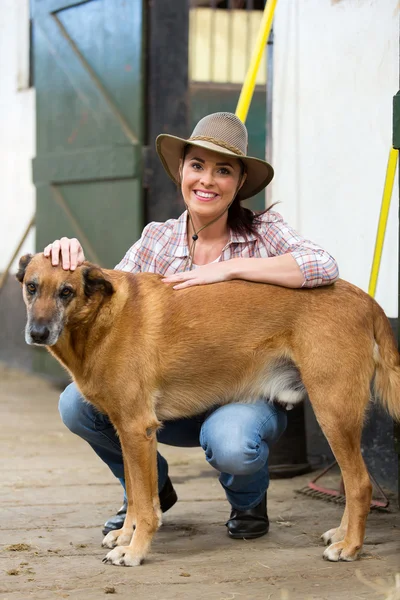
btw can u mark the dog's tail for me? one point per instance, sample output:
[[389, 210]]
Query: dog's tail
[[387, 363]]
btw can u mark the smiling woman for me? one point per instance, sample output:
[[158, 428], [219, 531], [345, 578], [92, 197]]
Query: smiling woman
[[209, 187], [223, 240]]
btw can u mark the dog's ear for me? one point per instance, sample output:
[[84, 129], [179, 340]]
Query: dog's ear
[[94, 281], [23, 263]]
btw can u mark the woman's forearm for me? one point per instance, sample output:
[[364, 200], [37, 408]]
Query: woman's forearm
[[279, 270]]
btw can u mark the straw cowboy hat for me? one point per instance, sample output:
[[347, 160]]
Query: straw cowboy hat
[[223, 133]]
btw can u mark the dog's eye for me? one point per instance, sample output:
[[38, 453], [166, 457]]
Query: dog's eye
[[66, 292], [31, 288]]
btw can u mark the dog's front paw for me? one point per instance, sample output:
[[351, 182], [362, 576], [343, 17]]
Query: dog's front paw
[[333, 535], [117, 537], [341, 551], [122, 556]]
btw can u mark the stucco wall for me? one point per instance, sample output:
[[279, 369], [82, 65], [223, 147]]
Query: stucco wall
[[17, 129], [336, 69]]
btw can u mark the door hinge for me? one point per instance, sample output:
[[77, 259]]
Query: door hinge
[[147, 166]]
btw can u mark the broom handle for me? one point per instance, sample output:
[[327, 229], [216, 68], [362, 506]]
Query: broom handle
[[17, 251]]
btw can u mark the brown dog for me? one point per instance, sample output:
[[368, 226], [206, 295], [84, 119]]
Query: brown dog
[[142, 353]]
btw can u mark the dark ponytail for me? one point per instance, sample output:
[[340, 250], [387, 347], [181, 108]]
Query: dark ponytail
[[244, 221]]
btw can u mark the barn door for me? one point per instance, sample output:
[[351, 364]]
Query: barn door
[[89, 80], [88, 58]]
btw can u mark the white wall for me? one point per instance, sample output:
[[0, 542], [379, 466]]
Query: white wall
[[336, 70], [17, 130]]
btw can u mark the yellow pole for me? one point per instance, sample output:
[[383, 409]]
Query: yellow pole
[[383, 217], [250, 80]]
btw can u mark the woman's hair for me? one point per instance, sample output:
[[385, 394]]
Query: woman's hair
[[241, 220]]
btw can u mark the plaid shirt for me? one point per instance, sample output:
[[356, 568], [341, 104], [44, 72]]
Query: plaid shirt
[[163, 249]]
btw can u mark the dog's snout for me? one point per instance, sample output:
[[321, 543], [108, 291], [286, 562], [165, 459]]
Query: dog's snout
[[40, 334]]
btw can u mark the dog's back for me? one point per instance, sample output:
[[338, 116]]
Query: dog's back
[[239, 341]]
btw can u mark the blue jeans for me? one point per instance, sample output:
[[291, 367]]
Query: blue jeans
[[235, 438]]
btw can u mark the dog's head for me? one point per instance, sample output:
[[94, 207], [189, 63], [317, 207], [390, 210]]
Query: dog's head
[[55, 297]]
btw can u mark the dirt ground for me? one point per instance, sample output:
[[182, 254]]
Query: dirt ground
[[55, 495]]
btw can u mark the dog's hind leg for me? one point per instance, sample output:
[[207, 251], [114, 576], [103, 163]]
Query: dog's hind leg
[[340, 410], [138, 441]]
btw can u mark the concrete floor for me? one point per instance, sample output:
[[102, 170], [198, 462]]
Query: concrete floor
[[55, 495]]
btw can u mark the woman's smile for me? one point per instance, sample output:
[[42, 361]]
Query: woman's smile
[[205, 196]]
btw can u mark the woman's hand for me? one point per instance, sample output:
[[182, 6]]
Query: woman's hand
[[211, 273], [71, 253]]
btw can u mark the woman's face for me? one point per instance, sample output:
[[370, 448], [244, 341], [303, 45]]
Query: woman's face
[[209, 181]]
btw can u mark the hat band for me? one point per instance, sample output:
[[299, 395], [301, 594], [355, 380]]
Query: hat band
[[204, 138]]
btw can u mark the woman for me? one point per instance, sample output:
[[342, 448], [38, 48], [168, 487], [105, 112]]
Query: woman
[[215, 239]]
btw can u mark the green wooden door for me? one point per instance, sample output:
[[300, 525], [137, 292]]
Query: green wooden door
[[89, 80]]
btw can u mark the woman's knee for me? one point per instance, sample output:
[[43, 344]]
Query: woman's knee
[[236, 437], [74, 410], [230, 444], [236, 454]]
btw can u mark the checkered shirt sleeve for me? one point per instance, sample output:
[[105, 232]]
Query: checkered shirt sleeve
[[317, 265], [146, 246]]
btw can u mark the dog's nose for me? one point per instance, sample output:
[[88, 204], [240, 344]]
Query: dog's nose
[[40, 334]]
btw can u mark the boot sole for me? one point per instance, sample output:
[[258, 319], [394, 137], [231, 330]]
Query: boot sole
[[249, 536]]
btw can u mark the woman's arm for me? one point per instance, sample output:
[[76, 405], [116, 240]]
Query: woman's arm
[[70, 253], [142, 249], [287, 259], [317, 266], [131, 260], [279, 270]]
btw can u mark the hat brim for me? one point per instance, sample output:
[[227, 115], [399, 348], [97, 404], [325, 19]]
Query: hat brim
[[170, 150]]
